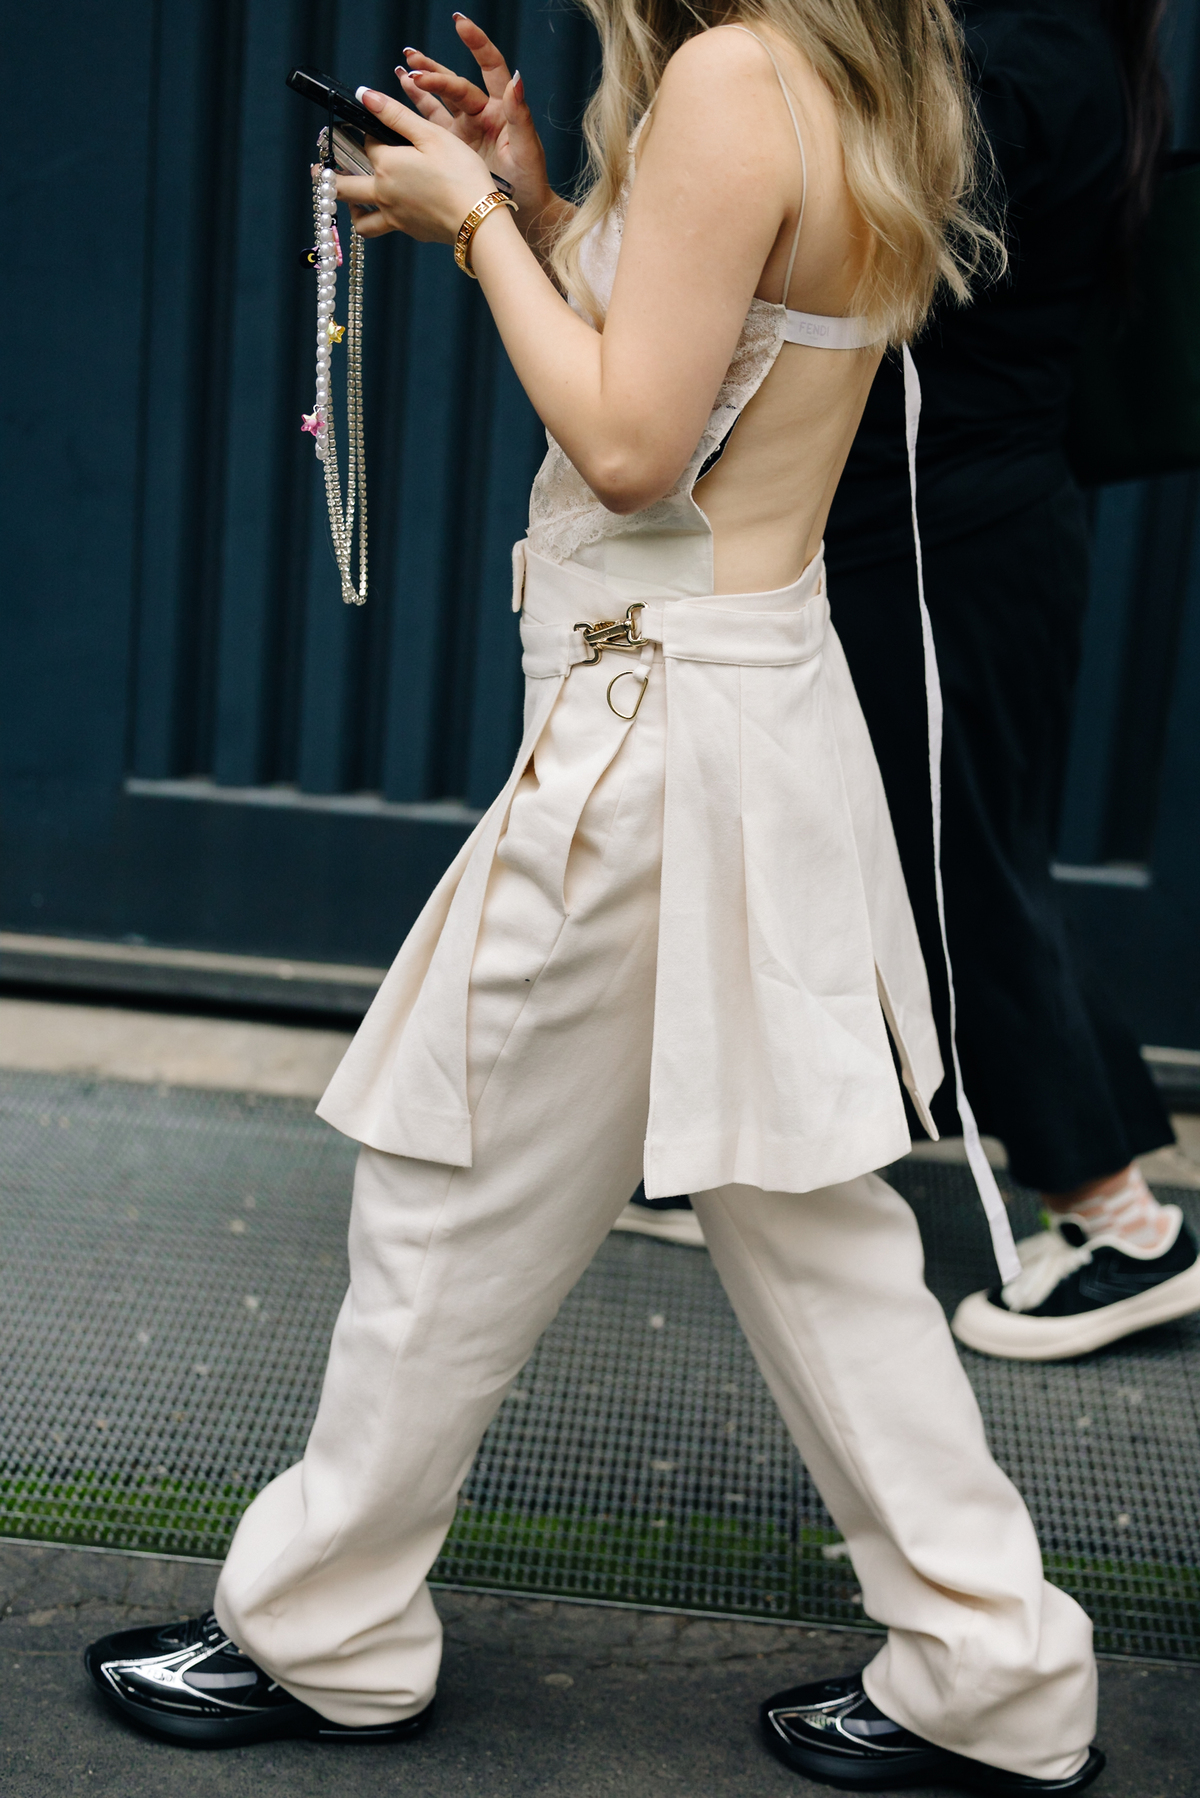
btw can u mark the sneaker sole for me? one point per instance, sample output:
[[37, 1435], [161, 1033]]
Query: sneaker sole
[[295, 1722], [917, 1769], [1013, 1337], [928, 1767], [680, 1227]]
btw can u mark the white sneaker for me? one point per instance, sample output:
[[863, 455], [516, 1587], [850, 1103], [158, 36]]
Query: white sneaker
[[1075, 1294]]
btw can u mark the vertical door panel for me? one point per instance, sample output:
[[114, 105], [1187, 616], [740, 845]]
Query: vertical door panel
[[202, 745]]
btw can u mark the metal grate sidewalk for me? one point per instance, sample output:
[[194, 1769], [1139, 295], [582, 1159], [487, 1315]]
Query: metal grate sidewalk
[[171, 1267]]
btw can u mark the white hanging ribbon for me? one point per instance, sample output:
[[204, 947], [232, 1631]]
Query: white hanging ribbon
[[1007, 1258]]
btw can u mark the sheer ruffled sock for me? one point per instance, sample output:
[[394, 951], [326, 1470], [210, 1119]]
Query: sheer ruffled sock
[[1130, 1212]]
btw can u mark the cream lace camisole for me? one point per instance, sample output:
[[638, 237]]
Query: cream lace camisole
[[566, 520]]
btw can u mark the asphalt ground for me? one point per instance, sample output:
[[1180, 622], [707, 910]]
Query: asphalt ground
[[537, 1697]]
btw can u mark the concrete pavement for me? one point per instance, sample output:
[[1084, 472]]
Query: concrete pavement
[[114, 1042]]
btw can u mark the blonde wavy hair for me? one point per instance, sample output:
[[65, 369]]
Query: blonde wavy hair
[[910, 139]]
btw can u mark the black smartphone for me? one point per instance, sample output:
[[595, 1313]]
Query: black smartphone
[[334, 96]]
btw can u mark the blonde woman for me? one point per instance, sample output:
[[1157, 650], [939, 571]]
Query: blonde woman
[[676, 944]]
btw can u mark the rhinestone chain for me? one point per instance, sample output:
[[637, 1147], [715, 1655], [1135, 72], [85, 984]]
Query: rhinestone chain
[[341, 518]]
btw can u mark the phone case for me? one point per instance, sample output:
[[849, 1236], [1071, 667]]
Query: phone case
[[349, 155]]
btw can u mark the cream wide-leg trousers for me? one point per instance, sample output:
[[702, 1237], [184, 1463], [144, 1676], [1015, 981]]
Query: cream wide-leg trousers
[[455, 1273]]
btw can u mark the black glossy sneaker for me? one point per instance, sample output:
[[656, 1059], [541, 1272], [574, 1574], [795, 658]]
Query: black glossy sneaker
[[188, 1682], [831, 1732], [1076, 1293]]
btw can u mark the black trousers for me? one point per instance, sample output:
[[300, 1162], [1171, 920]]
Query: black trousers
[[1047, 1067]]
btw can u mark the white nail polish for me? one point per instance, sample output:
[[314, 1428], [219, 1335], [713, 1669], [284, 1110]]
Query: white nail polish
[[359, 92]]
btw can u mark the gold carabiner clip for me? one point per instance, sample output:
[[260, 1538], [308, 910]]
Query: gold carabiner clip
[[612, 633]]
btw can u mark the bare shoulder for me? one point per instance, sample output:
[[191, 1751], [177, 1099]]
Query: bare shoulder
[[734, 53], [719, 102], [722, 87], [734, 65]]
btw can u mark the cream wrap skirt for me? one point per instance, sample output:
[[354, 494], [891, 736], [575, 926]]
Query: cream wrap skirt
[[785, 937]]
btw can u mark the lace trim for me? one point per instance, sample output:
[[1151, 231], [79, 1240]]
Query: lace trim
[[564, 514]]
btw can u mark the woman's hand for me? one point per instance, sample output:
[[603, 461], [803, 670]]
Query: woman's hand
[[426, 190], [494, 120]]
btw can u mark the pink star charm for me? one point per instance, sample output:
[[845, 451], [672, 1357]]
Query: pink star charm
[[311, 421]]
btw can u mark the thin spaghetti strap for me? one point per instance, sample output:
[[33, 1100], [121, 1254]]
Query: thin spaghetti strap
[[787, 100], [637, 130]]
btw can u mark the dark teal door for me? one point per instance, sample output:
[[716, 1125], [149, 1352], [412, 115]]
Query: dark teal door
[[201, 746]]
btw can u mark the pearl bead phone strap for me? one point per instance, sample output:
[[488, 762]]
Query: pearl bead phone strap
[[345, 512]]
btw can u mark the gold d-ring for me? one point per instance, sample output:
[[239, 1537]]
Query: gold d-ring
[[627, 717]]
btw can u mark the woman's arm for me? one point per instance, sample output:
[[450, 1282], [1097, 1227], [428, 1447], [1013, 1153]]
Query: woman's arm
[[717, 176]]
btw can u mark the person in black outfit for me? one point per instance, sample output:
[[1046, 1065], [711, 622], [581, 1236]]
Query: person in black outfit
[[1071, 101]]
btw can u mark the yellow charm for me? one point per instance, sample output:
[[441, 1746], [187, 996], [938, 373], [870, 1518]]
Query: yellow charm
[[336, 332]]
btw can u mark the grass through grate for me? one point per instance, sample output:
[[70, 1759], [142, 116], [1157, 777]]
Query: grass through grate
[[105, 1510], [697, 1563], [174, 1262]]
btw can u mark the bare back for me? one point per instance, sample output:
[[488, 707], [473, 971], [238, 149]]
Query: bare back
[[710, 309], [768, 497]]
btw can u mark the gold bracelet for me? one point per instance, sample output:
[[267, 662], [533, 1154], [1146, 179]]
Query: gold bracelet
[[471, 224]]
